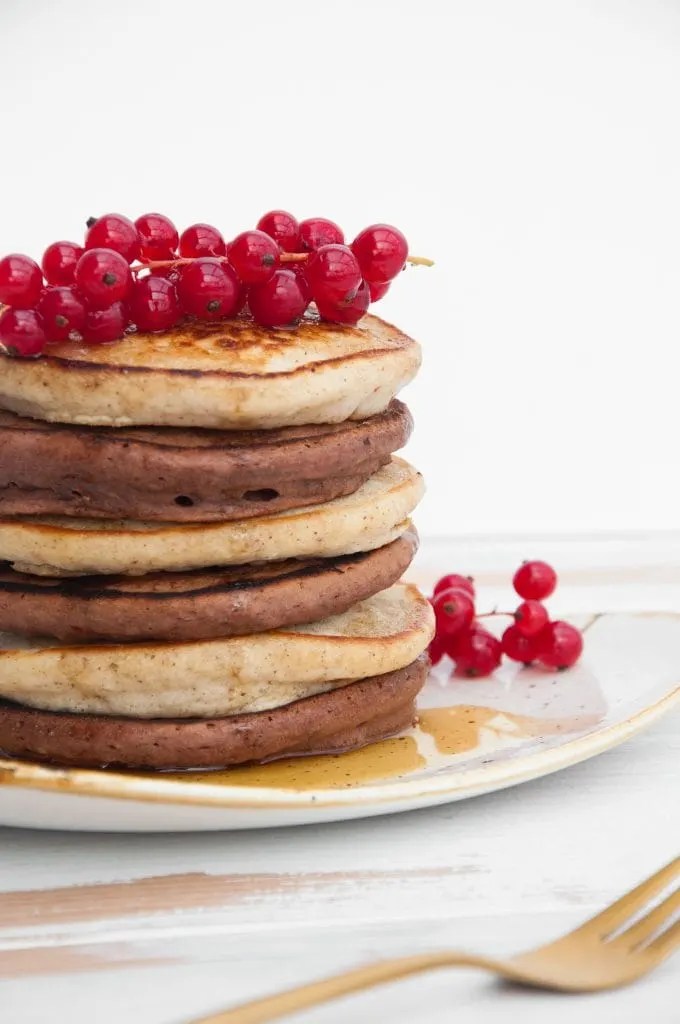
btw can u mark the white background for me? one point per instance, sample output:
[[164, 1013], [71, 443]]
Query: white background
[[531, 148]]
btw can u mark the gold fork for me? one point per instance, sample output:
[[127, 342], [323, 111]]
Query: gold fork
[[612, 949]]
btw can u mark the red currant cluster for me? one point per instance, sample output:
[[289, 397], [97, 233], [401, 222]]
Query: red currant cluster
[[531, 638], [146, 276]]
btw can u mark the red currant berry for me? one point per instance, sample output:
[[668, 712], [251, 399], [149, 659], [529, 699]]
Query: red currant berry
[[254, 256], [59, 262], [349, 314], [172, 274], [519, 647], [381, 251], [559, 645], [20, 281], [299, 269], [318, 231], [279, 302], [103, 277], [478, 653], [283, 228], [531, 617], [153, 304], [102, 325], [436, 650], [454, 611], [450, 643], [158, 236], [534, 581], [209, 289], [241, 299], [201, 240], [333, 275], [378, 291], [21, 332], [62, 311], [114, 231], [455, 581]]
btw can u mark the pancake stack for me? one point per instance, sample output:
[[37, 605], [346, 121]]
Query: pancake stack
[[201, 535]]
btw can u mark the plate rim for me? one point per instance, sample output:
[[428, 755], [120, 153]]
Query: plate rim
[[116, 786]]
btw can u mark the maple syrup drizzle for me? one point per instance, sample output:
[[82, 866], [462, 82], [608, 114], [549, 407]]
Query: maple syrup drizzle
[[452, 731]]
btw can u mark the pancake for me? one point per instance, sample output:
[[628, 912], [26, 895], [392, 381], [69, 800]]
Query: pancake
[[201, 604], [167, 473], [340, 720], [232, 375], [214, 678], [373, 516]]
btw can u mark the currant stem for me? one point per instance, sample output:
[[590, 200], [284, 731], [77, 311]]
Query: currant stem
[[155, 264], [299, 257], [495, 612], [286, 257]]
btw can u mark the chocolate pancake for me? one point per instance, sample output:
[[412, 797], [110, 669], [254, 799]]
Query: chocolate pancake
[[201, 604], [340, 720], [170, 473], [372, 516]]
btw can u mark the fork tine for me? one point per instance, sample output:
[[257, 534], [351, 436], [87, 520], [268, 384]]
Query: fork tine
[[625, 907], [646, 927], [667, 942]]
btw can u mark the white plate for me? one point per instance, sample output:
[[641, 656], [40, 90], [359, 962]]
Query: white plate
[[474, 737]]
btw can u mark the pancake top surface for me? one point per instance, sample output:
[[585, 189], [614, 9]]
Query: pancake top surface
[[233, 347], [228, 375]]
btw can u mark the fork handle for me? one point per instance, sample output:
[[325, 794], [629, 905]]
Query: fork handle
[[295, 999]]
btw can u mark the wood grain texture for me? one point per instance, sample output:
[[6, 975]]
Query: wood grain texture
[[167, 894], [158, 929]]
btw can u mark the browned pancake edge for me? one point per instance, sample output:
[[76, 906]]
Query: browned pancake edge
[[340, 720]]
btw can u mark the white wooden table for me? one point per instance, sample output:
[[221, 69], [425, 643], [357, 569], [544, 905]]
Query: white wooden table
[[158, 929]]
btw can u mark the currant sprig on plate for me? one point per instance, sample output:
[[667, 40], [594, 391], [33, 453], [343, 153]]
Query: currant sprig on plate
[[531, 638], [144, 276]]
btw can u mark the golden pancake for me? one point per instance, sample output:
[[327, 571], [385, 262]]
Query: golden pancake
[[374, 515], [230, 375], [213, 678]]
